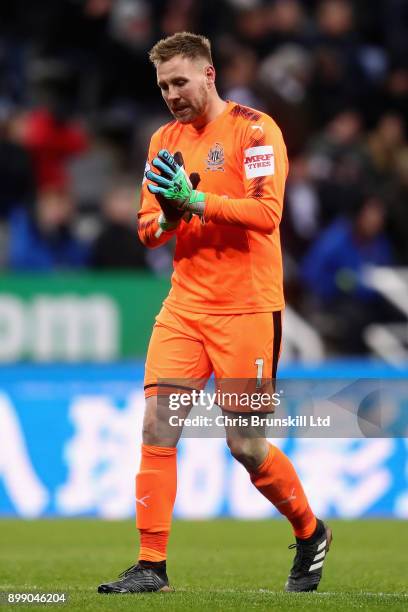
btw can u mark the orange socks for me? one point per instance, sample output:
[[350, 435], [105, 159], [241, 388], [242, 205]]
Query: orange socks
[[156, 485], [277, 480]]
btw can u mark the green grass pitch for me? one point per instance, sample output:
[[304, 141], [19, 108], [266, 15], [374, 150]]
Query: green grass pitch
[[212, 565]]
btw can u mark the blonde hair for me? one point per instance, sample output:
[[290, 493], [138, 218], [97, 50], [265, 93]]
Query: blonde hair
[[185, 44]]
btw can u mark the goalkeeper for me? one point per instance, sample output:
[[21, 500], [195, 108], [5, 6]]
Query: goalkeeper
[[214, 179]]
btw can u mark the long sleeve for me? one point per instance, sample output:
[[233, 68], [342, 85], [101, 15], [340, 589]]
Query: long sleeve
[[264, 172], [149, 231]]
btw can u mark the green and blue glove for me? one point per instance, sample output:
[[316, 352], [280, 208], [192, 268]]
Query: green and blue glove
[[174, 190]]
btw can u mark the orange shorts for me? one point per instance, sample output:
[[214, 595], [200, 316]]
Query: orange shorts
[[189, 347]]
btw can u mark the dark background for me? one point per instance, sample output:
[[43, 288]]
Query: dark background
[[79, 101]]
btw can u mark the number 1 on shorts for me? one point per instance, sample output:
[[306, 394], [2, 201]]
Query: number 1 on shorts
[[259, 363]]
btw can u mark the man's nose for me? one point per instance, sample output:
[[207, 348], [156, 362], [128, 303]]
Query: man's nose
[[172, 94]]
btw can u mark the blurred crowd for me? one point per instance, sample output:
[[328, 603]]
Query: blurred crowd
[[79, 101]]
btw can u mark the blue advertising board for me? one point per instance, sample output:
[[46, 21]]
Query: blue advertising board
[[70, 438]]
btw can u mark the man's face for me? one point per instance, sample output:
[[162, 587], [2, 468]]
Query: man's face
[[185, 86]]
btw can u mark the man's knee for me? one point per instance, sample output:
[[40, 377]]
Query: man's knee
[[248, 451], [150, 430], [156, 429]]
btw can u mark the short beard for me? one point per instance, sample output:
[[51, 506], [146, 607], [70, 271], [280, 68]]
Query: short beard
[[201, 107]]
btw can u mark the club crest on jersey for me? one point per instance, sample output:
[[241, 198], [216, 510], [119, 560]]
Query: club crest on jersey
[[215, 158]]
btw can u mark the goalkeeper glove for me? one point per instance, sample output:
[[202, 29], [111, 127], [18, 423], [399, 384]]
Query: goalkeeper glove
[[173, 184], [170, 216]]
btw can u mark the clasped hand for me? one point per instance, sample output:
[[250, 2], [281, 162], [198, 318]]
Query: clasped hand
[[174, 190]]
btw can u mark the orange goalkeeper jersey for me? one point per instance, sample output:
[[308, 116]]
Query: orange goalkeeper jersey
[[231, 261]]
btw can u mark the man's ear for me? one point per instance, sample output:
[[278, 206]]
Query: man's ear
[[210, 74]]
